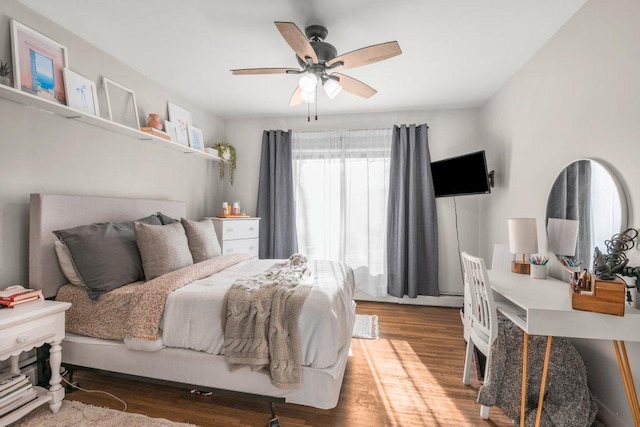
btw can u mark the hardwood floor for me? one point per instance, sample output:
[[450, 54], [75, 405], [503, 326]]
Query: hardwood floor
[[411, 376]]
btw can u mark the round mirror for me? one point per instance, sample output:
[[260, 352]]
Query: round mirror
[[585, 207]]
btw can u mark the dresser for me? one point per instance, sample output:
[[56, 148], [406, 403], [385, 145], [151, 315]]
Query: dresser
[[237, 235], [28, 326]]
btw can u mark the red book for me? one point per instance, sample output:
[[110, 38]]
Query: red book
[[18, 294], [18, 302]]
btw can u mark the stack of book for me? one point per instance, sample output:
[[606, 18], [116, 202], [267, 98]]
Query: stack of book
[[15, 390], [153, 131], [15, 295]]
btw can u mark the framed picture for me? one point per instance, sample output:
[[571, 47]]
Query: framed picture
[[180, 117], [81, 92], [172, 129], [121, 104], [196, 141], [38, 62]]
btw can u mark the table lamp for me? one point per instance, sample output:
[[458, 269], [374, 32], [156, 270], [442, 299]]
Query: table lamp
[[523, 239]]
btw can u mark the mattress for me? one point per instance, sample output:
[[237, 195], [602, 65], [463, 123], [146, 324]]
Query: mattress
[[192, 315]]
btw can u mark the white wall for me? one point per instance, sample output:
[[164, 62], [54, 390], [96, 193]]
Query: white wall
[[451, 132], [578, 97], [41, 152]]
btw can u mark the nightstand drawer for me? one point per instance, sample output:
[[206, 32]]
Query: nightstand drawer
[[239, 229], [244, 246], [25, 335]]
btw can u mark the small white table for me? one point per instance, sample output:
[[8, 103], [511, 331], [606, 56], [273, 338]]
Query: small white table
[[543, 307], [238, 234], [25, 327]]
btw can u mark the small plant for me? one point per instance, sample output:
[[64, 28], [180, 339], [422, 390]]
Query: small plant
[[227, 154], [5, 68]]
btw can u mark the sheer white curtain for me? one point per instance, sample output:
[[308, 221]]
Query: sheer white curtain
[[341, 184]]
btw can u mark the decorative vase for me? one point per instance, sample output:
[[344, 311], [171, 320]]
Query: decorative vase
[[154, 121]]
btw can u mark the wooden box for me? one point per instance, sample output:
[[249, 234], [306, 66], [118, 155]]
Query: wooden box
[[608, 297]]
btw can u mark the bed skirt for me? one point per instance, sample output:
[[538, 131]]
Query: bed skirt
[[319, 389]]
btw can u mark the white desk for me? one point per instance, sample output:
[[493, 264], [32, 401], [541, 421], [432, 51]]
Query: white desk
[[543, 307]]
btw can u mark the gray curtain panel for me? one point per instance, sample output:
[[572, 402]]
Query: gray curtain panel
[[276, 206], [412, 227], [570, 198]]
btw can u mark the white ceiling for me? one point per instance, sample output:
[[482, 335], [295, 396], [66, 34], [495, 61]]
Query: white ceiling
[[456, 53]]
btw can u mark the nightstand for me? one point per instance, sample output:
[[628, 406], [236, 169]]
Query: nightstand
[[27, 326], [238, 235]]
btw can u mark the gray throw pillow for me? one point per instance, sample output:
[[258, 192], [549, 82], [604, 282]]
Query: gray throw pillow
[[163, 248], [202, 238], [105, 255], [165, 219]]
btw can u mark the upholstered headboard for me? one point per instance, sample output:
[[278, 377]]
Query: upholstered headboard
[[49, 212]]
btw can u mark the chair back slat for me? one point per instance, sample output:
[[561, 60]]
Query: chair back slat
[[483, 311]]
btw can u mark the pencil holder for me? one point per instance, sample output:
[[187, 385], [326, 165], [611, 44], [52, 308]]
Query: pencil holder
[[538, 271]]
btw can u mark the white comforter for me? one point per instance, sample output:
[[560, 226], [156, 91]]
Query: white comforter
[[192, 313]]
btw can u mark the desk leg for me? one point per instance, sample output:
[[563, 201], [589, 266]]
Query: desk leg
[[56, 391], [543, 383], [627, 379], [523, 391]]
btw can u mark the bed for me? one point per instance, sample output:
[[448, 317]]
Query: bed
[[201, 367]]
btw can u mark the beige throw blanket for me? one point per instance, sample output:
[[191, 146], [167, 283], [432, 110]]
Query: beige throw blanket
[[260, 321]]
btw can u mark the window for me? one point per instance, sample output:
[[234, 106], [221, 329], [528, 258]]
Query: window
[[341, 185]]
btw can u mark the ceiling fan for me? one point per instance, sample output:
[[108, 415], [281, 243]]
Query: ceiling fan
[[318, 59]]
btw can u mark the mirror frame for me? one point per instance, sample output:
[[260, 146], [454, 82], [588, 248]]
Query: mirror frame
[[624, 205]]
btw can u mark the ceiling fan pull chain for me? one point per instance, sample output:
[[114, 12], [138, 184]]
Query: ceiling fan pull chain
[[316, 103], [308, 112]]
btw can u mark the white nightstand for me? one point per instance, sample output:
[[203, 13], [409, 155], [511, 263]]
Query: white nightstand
[[28, 326], [237, 235]]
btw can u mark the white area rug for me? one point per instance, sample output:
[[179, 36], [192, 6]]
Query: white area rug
[[366, 326], [80, 415]]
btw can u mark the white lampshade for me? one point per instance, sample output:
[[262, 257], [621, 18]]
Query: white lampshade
[[308, 82], [332, 88], [563, 236], [523, 236], [308, 96]]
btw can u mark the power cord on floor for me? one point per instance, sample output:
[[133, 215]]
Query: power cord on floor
[[74, 385]]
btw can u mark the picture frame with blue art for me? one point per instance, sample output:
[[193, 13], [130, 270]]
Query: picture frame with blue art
[[81, 93], [38, 63]]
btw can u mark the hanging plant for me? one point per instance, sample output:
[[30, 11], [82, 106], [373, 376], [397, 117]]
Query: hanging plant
[[227, 154]]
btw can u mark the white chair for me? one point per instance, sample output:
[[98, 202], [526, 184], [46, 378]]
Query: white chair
[[484, 318]]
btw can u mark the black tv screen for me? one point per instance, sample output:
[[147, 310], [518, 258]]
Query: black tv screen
[[461, 175]]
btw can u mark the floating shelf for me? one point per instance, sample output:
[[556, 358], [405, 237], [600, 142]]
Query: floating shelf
[[33, 101]]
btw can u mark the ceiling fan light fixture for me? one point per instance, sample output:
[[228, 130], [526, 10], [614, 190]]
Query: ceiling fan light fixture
[[308, 97], [308, 83], [332, 88]]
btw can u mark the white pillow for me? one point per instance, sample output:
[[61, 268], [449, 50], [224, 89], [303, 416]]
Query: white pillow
[[66, 264]]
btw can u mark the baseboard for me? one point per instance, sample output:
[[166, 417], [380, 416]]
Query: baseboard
[[608, 417], [441, 301]]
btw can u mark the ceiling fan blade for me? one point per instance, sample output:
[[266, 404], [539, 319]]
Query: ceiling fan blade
[[297, 40], [296, 99], [355, 87], [254, 71], [368, 55]]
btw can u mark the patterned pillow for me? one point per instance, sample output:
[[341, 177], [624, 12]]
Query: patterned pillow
[[202, 238]]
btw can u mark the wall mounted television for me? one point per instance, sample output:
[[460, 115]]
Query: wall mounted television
[[462, 175]]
